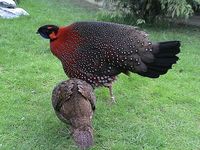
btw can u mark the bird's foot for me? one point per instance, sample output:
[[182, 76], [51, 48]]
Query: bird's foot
[[112, 101]]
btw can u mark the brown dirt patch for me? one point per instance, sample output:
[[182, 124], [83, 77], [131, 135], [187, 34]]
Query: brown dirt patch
[[86, 5]]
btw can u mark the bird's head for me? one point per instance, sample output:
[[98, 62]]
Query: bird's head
[[48, 31]]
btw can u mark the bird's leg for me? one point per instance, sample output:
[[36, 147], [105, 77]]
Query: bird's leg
[[109, 85], [111, 94]]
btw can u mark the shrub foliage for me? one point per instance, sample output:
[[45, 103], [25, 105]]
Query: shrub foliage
[[151, 10]]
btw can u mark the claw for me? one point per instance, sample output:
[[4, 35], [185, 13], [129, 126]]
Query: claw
[[113, 100]]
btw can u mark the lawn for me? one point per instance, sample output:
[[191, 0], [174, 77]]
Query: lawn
[[149, 114]]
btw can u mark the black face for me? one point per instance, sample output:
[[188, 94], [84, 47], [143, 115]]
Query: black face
[[46, 30]]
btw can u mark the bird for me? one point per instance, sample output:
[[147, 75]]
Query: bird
[[97, 52], [74, 103]]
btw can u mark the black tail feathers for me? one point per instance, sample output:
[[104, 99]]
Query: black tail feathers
[[164, 58]]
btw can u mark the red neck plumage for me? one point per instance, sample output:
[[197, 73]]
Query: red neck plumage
[[65, 42]]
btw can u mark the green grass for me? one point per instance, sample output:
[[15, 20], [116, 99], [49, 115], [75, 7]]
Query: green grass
[[149, 114]]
